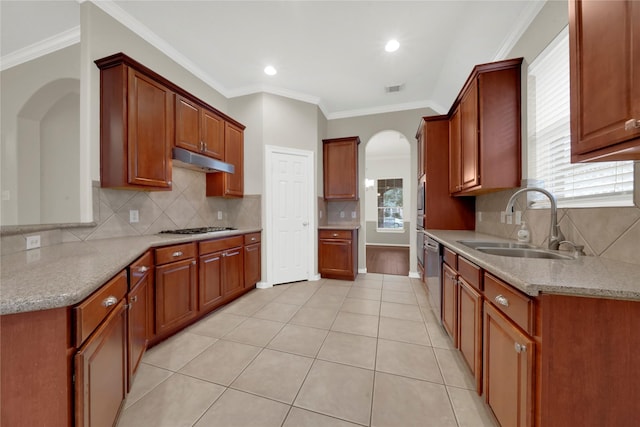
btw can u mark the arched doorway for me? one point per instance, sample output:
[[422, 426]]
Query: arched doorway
[[387, 200]]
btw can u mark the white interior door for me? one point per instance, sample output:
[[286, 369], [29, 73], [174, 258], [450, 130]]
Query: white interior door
[[291, 174]]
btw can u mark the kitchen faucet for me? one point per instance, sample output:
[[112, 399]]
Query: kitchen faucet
[[555, 234]]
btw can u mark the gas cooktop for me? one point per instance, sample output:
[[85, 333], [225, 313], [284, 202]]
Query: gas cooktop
[[198, 230]]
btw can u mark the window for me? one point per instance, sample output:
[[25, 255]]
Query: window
[[390, 204], [549, 140]]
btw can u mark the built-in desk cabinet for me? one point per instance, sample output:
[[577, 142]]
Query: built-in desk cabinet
[[338, 254]]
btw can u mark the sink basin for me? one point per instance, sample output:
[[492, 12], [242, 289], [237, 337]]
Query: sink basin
[[523, 252], [481, 244]]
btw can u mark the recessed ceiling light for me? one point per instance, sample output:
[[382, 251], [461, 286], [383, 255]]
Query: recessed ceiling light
[[392, 45], [270, 70]]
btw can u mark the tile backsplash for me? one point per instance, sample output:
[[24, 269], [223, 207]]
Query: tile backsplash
[[612, 233], [186, 205]]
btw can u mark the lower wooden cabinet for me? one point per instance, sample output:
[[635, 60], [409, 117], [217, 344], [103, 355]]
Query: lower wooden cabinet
[[470, 329], [101, 372], [232, 271], [338, 254], [176, 288], [450, 302], [252, 260], [508, 370], [140, 303]]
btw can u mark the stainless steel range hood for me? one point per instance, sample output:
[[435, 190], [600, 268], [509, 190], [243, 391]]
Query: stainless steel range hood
[[186, 159]]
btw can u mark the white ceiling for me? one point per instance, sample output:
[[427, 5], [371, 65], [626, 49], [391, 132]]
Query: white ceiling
[[327, 52]]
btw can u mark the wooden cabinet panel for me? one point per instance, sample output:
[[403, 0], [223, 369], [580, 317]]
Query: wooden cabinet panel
[[455, 153], [140, 301], [508, 370], [252, 265], [101, 372], [213, 134], [470, 156], [338, 256], [340, 168], [233, 271], [514, 304], [187, 124], [176, 295], [210, 286], [605, 80], [470, 272], [136, 127], [450, 302], [175, 253], [227, 184], [470, 329]]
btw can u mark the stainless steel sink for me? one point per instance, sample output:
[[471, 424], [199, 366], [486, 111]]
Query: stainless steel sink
[[483, 244], [523, 252]]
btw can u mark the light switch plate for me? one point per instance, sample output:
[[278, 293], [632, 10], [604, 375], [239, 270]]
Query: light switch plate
[[503, 215], [33, 242], [134, 216], [219, 214], [518, 217], [341, 214], [353, 214]]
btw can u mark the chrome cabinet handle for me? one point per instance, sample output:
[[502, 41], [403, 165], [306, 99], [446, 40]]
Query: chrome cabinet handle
[[109, 301], [502, 300], [632, 124], [253, 239], [177, 254], [520, 348], [233, 253], [335, 234]]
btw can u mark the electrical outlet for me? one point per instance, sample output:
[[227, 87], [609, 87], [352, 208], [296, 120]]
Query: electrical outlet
[[134, 216], [219, 214], [353, 214], [479, 216], [341, 214], [518, 217], [503, 215], [33, 242], [509, 218], [320, 214]]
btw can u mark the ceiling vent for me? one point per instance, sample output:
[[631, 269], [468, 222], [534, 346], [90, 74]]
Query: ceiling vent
[[394, 88]]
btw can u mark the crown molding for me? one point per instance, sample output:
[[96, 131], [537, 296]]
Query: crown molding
[[43, 47], [527, 16], [386, 109]]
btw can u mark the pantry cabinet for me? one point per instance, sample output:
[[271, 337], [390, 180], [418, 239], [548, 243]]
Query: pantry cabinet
[[230, 185], [136, 126], [485, 130], [605, 80], [176, 287], [340, 168], [199, 129]]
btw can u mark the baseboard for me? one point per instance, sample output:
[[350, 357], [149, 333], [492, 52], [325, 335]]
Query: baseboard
[[263, 285], [414, 274], [362, 270], [314, 277]]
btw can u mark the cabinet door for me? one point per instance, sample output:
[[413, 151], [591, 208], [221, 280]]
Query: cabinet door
[[421, 151], [508, 370], [455, 150], [232, 271], [210, 281], [449, 302], [212, 133], [252, 265], [470, 162], [340, 168], [234, 154], [150, 131], [605, 78], [187, 124], [101, 372], [470, 329], [140, 308], [176, 297], [335, 258]]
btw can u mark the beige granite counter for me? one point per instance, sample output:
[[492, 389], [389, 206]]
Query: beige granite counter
[[587, 276], [63, 275], [339, 227]]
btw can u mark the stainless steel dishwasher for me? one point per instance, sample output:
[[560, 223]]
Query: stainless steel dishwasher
[[433, 274]]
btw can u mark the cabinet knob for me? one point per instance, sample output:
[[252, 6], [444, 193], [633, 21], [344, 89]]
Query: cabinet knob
[[502, 300], [520, 348], [253, 239], [632, 124], [109, 301], [335, 234], [134, 298], [143, 269], [176, 254]]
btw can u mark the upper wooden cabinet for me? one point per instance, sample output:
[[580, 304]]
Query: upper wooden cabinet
[[485, 130], [605, 80], [229, 184], [136, 127], [340, 168], [199, 129]]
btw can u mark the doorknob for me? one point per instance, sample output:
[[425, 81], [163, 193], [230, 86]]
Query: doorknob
[[305, 223]]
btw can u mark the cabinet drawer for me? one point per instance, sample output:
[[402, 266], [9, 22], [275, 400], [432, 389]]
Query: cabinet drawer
[[175, 253], [517, 306], [93, 310], [140, 268], [451, 258], [251, 238], [334, 234], [471, 273], [220, 244]]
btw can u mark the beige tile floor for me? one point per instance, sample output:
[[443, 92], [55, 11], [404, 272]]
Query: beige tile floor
[[326, 353]]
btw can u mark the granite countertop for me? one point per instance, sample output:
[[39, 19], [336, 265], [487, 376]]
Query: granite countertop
[[587, 275], [65, 274], [339, 227]]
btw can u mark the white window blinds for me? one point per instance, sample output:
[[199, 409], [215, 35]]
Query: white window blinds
[[549, 143]]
